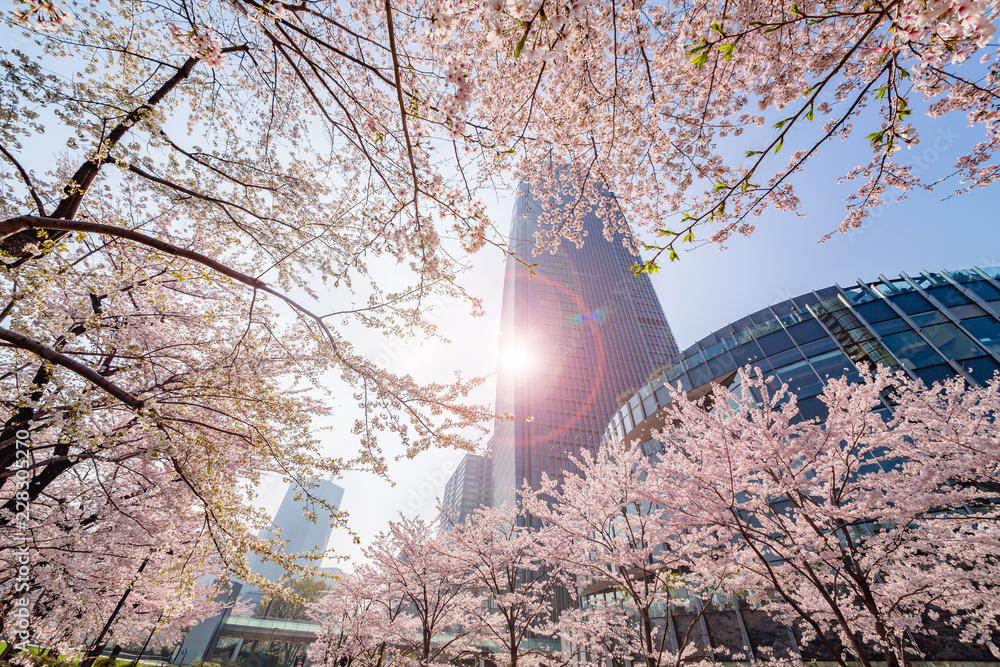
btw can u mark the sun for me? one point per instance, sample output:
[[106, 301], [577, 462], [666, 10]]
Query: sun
[[516, 358]]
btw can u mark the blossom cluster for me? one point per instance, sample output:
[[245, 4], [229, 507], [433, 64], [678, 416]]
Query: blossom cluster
[[939, 29], [41, 15], [200, 43]]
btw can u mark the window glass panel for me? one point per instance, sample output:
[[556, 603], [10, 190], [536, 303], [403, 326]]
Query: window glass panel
[[856, 335], [813, 407], [786, 357], [935, 373], [857, 295], [721, 365], [649, 405], [911, 351], [981, 369], [912, 303], [986, 330], [695, 359], [965, 276], [700, 375], [890, 327], [967, 312], [992, 271], [803, 301], [875, 311], [818, 346], [984, 290], [775, 342], [793, 317], [953, 343], [833, 364], [746, 354], [793, 371], [926, 319], [930, 280], [715, 350], [806, 332], [948, 295]]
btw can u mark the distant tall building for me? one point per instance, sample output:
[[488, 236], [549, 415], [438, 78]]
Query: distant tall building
[[303, 535], [470, 487], [574, 336]]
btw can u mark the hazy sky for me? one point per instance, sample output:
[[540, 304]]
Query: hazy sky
[[702, 292]]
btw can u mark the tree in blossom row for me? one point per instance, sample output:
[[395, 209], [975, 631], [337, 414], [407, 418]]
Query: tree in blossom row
[[869, 535]]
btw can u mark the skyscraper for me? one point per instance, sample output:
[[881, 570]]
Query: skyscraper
[[303, 534], [470, 486], [577, 330]]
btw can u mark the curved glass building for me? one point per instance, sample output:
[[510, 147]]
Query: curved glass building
[[932, 325]]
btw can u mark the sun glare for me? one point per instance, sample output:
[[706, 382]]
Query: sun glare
[[516, 358]]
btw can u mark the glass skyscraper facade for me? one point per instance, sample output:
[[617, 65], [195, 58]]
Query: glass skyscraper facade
[[469, 488], [577, 331], [932, 325]]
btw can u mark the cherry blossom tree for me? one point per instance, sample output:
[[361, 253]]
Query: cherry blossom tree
[[649, 101], [170, 216], [423, 581], [354, 625], [600, 524], [510, 569], [869, 530]]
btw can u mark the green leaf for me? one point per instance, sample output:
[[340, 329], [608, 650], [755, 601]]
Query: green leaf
[[777, 146], [719, 186], [880, 92], [752, 153], [795, 11], [780, 124], [689, 237], [700, 59], [520, 45], [727, 51], [716, 27], [809, 114], [673, 255]]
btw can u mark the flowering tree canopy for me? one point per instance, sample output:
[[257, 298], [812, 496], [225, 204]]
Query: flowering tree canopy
[[648, 100], [516, 578], [873, 527]]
